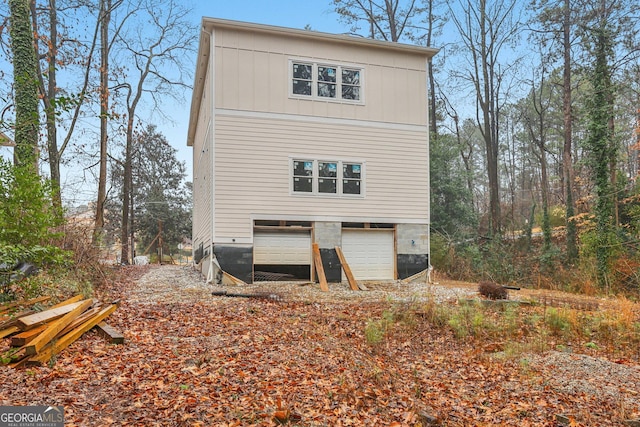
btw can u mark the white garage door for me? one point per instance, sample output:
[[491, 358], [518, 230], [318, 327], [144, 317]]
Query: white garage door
[[369, 254], [270, 248]]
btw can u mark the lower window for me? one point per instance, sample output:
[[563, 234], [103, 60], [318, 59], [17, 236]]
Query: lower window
[[337, 177]]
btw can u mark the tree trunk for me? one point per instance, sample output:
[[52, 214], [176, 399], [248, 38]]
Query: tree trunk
[[25, 85], [489, 132], [567, 163], [126, 195], [105, 16], [52, 131]]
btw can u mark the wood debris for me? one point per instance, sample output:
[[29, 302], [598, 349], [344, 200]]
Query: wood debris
[[347, 270], [37, 336], [317, 262]]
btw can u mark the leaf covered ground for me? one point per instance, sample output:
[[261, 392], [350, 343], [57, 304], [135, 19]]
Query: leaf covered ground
[[216, 361]]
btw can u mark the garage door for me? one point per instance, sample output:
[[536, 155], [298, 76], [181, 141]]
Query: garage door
[[370, 254], [271, 248]]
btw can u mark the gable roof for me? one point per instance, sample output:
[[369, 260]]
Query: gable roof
[[210, 24]]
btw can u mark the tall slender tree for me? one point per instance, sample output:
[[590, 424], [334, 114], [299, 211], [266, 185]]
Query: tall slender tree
[[58, 50], [105, 19], [567, 158], [48, 93], [601, 146], [26, 85]]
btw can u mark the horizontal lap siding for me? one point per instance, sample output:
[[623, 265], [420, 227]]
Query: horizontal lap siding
[[202, 174], [252, 171]]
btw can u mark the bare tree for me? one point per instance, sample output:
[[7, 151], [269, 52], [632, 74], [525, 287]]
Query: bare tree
[[157, 56], [554, 24], [486, 30], [534, 116], [567, 161], [388, 20]]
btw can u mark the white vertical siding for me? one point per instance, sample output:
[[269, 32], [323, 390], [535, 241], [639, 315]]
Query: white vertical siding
[[253, 75]]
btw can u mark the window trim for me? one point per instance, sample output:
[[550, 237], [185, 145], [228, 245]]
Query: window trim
[[339, 177], [314, 81]]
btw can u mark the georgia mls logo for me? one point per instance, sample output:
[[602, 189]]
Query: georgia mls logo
[[31, 416]]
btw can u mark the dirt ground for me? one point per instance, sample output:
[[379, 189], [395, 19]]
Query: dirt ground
[[301, 358]]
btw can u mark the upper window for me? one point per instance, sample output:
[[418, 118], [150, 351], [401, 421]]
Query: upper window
[[327, 177], [326, 81]]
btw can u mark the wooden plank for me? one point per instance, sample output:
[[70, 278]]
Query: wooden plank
[[26, 337], [12, 320], [110, 333], [317, 259], [54, 327], [414, 277], [37, 319], [69, 301], [13, 356], [347, 270], [62, 343], [8, 331], [234, 280], [81, 319], [24, 303]]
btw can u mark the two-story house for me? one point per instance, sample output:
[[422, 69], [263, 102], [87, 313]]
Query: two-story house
[[304, 137]]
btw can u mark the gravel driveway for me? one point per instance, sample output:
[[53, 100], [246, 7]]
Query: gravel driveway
[[170, 283]]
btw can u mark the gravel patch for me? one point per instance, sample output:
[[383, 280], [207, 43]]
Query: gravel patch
[[170, 283], [578, 374], [584, 377]]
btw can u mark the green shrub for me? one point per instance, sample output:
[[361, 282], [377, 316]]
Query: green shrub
[[28, 221], [556, 321], [27, 215], [374, 331]]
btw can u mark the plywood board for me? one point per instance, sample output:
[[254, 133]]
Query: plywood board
[[317, 259], [347, 270]]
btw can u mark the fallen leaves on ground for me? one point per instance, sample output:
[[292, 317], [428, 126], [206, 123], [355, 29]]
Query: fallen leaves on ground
[[237, 362]]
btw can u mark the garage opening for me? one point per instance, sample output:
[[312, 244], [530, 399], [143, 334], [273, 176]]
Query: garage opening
[[282, 254], [370, 253]]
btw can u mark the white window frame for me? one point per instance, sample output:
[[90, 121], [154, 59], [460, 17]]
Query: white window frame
[[316, 176], [314, 81]]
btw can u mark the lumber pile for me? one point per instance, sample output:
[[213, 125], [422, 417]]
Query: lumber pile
[[38, 335]]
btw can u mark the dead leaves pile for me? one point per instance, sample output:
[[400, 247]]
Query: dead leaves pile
[[238, 362]]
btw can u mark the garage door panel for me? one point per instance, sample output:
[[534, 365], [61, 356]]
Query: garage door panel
[[281, 248], [370, 254]]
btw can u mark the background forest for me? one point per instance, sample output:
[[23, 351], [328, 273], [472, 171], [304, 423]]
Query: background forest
[[535, 112]]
